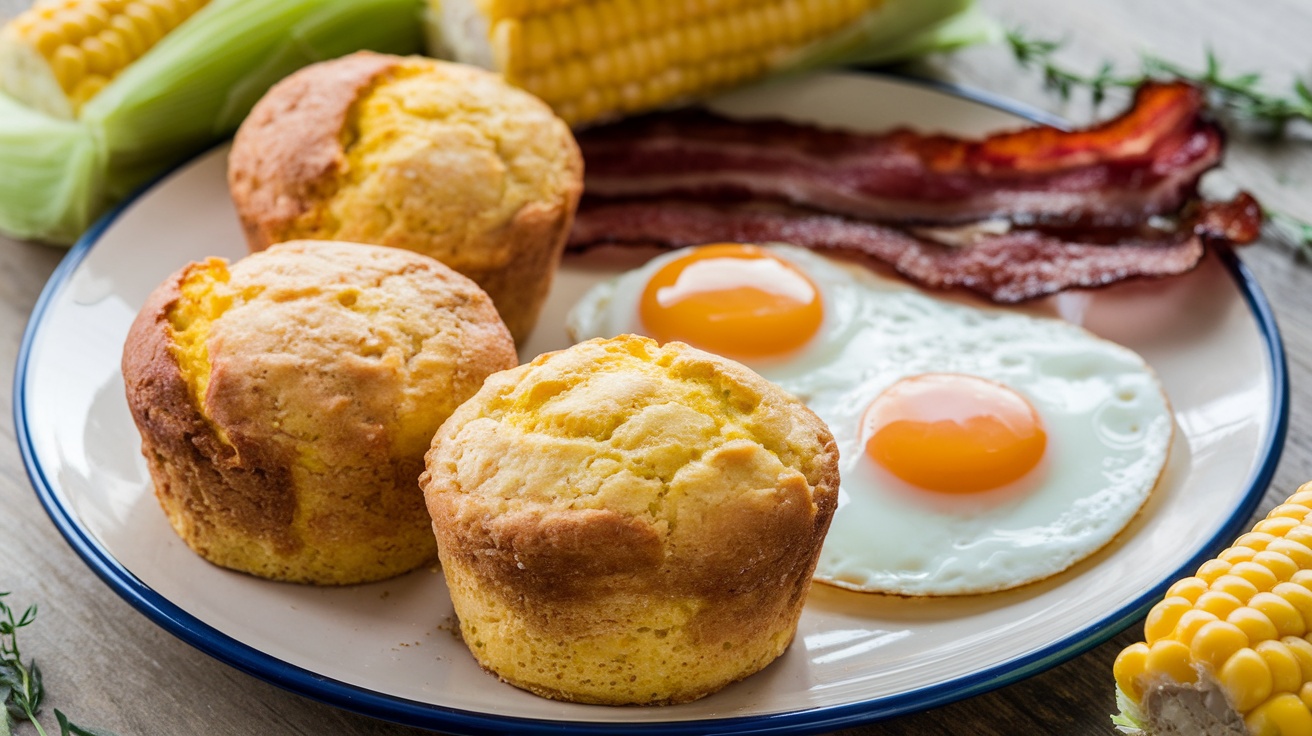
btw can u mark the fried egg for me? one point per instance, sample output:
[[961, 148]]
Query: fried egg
[[981, 448]]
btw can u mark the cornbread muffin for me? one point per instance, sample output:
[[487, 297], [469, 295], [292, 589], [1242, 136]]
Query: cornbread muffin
[[285, 403], [431, 156], [624, 523]]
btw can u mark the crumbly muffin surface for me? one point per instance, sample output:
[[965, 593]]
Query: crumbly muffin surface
[[286, 401], [439, 158], [627, 523]]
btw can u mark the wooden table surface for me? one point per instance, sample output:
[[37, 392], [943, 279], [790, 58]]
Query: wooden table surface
[[108, 666]]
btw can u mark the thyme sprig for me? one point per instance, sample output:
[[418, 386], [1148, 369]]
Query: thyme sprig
[[1240, 96], [21, 688], [1236, 96], [1038, 52]]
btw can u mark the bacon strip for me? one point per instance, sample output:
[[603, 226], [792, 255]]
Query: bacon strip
[[1146, 162], [1007, 267]]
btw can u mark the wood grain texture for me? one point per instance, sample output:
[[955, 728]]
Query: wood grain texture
[[107, 665]]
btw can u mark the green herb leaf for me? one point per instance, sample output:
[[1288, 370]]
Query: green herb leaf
[[68, 728], [11, 679], [36, 691], [21, 687], [1239, 96]]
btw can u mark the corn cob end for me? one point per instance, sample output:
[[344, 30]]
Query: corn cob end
[[1227, 651], [26, 76], [60, 53]]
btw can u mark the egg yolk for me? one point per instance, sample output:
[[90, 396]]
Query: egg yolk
[[740, 301], [953, 433]]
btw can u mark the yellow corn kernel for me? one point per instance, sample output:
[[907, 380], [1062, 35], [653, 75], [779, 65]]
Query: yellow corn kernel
[[69, 64], [1171, 659], [1281, 566], [89, 87], [1283, 715], [1255, 540], [1128, 670], [1213, 570], [538, 48], [1302, 651], [1298, 597], [1301, 554], [651, 15], [167, 11], [644, 63], [659, 52], [145, 22], [1253, 623], [627, 13], [1192, 620], [608, 24], [602, 68], [1286, 672], [114, 41], [101, 59], [1237, 554], [1305, 694], [1301, 534], [564, 36], [586, 20], [1163, 618], [1235, 586], [1284, 616], [1255, 573], [1277, 526], [1246, 680], [1216, 642], [46, 37], [79, 22], [1217, 603], [1188, 588]]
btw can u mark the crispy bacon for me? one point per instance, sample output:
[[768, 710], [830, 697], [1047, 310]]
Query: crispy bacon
[[1145, 162], [1012, 216], [1008, 266]]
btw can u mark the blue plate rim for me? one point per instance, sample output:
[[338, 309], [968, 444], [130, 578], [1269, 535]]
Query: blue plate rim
[[332, 692]]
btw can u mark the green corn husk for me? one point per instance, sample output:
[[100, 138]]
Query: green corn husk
[[1130, 720], [901, 29], [189, 91], [49, 182]]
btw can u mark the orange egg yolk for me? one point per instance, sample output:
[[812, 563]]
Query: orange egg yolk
[[953, 433], [740, 301]]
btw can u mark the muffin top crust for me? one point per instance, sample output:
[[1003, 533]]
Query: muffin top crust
[[411, 152], [320, 347], [617, 456]]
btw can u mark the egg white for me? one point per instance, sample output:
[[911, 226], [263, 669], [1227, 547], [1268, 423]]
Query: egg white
[[1107, 418]]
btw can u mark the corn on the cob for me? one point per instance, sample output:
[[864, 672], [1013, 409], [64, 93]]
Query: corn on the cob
[[60, 53], [1228, 650], [597, 59], [191, 87]]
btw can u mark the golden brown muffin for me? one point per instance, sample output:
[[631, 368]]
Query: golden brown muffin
[[439, 158], [624, 523], [285, 403]]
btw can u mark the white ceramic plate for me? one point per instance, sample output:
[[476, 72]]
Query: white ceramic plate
[[388, 649]]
